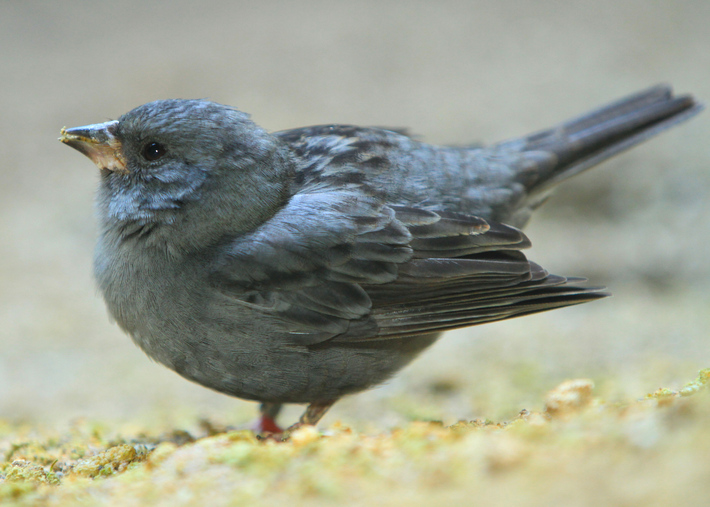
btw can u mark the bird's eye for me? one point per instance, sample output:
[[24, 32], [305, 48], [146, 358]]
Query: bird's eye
[[153, 151]]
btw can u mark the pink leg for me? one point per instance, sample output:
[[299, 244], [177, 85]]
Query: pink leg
[[267, 419]]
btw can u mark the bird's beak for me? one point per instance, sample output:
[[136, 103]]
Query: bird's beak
[[99, 143]]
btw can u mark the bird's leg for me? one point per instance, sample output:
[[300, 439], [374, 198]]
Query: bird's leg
[[267, 418], [314, 412]]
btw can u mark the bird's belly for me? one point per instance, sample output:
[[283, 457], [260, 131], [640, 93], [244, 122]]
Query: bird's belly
[[239, 358], [238, 353], [234, 348]]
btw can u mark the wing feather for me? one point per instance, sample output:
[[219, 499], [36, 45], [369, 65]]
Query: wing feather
[[342, 265]]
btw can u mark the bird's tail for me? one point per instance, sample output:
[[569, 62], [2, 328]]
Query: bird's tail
[[583, 142]]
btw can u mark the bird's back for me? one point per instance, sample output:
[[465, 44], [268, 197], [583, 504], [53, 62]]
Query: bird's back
[[504, 182]]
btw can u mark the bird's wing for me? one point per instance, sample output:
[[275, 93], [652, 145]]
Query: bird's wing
[[342, 265]]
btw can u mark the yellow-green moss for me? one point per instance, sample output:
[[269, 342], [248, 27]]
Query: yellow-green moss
[[574, 441]]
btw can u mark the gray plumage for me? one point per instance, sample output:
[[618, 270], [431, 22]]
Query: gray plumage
[[304, 265]]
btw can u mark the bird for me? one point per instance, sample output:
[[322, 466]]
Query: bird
[[304, 265]]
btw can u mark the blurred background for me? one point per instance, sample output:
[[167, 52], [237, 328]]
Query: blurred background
[[450, 71]]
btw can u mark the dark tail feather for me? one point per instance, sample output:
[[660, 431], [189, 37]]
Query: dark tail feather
[[585, 141]]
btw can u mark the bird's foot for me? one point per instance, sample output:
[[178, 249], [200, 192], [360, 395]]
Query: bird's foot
[[267, 429], [267, 425]]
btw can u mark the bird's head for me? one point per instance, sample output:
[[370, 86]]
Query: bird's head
[[171, 159]]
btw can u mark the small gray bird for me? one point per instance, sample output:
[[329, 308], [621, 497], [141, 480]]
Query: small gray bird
[[304, 265]]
